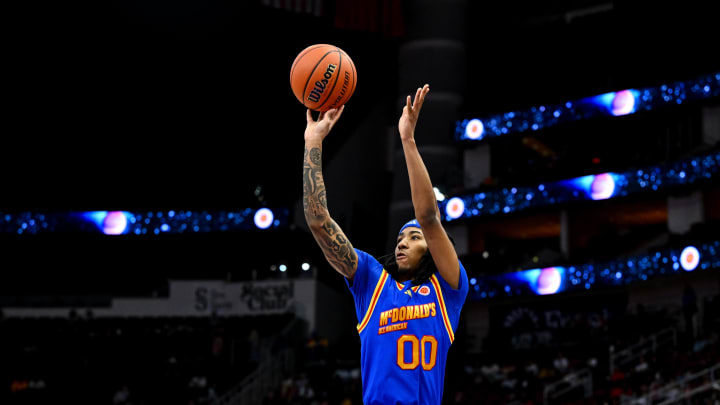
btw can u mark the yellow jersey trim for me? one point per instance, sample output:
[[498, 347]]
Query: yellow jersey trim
[[443, 309], [373, 301]]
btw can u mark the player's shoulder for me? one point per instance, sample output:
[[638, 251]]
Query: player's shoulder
[[368, 261], [365, 255]]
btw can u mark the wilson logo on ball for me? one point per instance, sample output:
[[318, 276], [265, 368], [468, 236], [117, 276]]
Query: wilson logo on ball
[[320, 85]]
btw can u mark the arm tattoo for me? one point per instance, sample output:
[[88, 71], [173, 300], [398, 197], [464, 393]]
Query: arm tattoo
[[330, 228], [315, 156], [337, 249], [314, 199]]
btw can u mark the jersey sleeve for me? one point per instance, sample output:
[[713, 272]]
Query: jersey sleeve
[[363, 283]]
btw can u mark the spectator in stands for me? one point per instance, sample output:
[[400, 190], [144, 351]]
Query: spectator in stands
[[592, 362], [491, 372], [531, 368], [197, 387], [406, 303], [642, 365], [289, 390], [316, 349], [305, 390], [121, 396], [561, 363]]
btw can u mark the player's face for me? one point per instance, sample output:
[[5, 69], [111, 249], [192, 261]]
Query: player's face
[[410, 248]]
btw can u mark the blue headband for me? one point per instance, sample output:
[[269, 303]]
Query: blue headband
[[414, 223]]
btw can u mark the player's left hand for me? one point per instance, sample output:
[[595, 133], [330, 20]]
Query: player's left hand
[[411, 112]]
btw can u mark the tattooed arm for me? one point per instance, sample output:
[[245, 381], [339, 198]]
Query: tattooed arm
[[333, 242]]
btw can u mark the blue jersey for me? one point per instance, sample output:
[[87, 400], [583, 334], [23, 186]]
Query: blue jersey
[[405, 333]]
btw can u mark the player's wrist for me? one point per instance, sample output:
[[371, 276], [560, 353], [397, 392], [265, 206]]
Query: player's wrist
[[313, 139]]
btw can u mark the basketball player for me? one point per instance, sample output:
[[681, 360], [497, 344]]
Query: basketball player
[[407, 303]]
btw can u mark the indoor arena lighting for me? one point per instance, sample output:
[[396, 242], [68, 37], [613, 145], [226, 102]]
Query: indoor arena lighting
[[108, 222], [618, 272], [115, 223], [502, 200], [689, 258], [617, 103], [474, 129], [264, 218], [142, 222], [454, 208]]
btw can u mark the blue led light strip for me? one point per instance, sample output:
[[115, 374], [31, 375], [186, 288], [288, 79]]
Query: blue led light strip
[[143, 223], [617, 103], [592, 187], [636, 269]]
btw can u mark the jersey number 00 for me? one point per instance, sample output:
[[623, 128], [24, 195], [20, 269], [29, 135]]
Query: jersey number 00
[[418, 348]]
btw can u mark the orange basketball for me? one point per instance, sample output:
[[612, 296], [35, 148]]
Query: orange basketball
[[323, 77]]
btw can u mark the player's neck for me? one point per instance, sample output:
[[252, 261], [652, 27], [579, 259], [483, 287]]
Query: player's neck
[[404, 276]]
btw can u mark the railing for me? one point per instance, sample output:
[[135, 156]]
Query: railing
[[644, 346], [252, 389], [580, 378], [681, 390]]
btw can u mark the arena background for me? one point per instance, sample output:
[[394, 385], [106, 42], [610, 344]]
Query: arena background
[[180, 116]]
